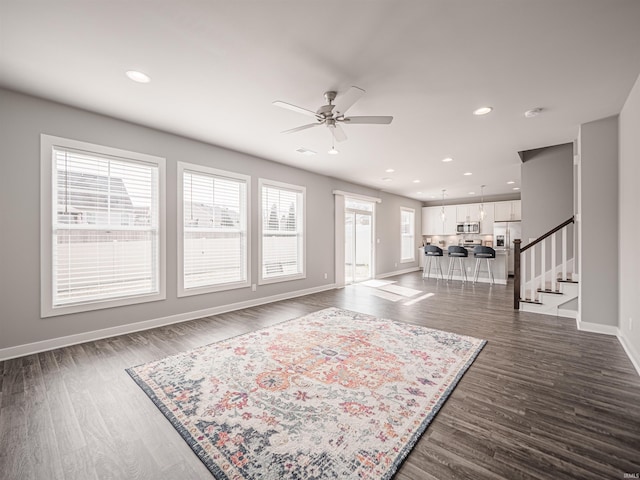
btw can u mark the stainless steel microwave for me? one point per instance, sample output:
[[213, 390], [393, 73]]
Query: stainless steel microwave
[[468, 227]]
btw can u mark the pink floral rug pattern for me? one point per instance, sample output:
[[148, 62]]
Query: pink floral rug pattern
[[334, 394]]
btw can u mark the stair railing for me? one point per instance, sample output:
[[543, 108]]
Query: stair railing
[[520, 264]]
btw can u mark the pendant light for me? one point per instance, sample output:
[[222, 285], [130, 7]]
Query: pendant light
[[442, 209], [482, 212]]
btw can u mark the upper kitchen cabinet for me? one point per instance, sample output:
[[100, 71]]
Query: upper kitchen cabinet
[[450, 222], [517, 209], [486, 224], [508, 211], [432, 223], [468, 213]]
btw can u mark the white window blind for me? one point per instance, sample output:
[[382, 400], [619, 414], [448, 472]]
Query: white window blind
[[282, 222], [105, 227], [407, 235], [215, 236]]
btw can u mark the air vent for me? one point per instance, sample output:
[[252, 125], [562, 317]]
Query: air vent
[[305, 151]]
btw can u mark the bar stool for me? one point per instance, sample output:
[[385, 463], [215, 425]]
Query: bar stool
[[480, 253], [456, 252], [430, 252]]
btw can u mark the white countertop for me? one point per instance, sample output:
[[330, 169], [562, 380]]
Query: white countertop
[[499, 250]]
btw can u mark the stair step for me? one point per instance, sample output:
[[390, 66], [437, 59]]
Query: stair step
[[526, 300], [568, 281], [548, 290]]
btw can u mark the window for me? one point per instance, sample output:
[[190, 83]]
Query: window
[[282, 226], [407, 235], [213, 247], [102, 229]]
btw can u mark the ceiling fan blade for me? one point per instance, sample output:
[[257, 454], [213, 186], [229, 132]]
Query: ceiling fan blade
[[345, 100], [294, 108], [338, 133], [379, 120], [303, 127]]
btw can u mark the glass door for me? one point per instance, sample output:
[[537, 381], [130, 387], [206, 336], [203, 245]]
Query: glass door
[[358, 237]]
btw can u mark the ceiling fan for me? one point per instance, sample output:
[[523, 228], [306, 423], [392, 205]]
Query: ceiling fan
[[333, 114]]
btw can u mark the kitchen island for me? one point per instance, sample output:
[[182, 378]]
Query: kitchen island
[[499, 267]]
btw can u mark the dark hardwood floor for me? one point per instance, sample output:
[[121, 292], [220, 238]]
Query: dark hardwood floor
[[541, 401]]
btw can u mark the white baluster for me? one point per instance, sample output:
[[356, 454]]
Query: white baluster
[[553, 263], [523, 275], [576, 252], [543, 266], [564, 253], [533, 273]]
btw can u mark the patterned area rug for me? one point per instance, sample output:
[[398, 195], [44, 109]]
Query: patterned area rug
[[334, 394]]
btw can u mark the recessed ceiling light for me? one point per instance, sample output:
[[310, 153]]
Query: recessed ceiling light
[[534, 112], [387, 179], [389, 170], [510, 182], [305, 151], [467, 173], [516, 188], [482, 110], [416, 181], [448, 159], [419, 193], [333, 151], [138, 76], [472, 193]]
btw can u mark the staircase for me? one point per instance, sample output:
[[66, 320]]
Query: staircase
[[545, 281]]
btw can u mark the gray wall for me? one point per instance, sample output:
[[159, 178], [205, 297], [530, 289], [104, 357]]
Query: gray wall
[[547, 189], [629, 228], [24, 118], [599, 221]]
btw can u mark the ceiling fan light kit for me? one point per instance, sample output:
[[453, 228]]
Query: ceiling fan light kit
[[333, 113], [534, 112]]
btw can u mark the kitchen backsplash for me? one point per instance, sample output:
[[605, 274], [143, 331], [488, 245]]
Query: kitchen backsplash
[[444, 241]]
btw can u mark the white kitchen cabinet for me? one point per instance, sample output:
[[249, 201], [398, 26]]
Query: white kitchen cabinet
[[486, 225], [494, 212], [502, 211], [516, 208], [432, 223], [468, 213], [450, 221], [508, 211]]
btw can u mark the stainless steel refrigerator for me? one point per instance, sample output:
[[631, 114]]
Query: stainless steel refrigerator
[[504, 233]]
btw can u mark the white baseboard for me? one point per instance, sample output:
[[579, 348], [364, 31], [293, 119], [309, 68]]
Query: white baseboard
[[597, 328], [631, 352], [59, 342], [567, 313], [398, 272]]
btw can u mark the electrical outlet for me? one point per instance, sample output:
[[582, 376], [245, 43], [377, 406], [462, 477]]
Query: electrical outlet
[[326, 276], [395, 264], [630, 323], [253, 287]]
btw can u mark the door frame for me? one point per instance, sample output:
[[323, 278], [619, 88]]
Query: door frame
[[339, 216], [355, 213]]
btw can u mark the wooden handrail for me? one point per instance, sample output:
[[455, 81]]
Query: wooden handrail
[[517, 250], [548, 234]]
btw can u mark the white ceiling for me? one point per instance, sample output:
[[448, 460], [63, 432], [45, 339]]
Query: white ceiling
[[217, 65]]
